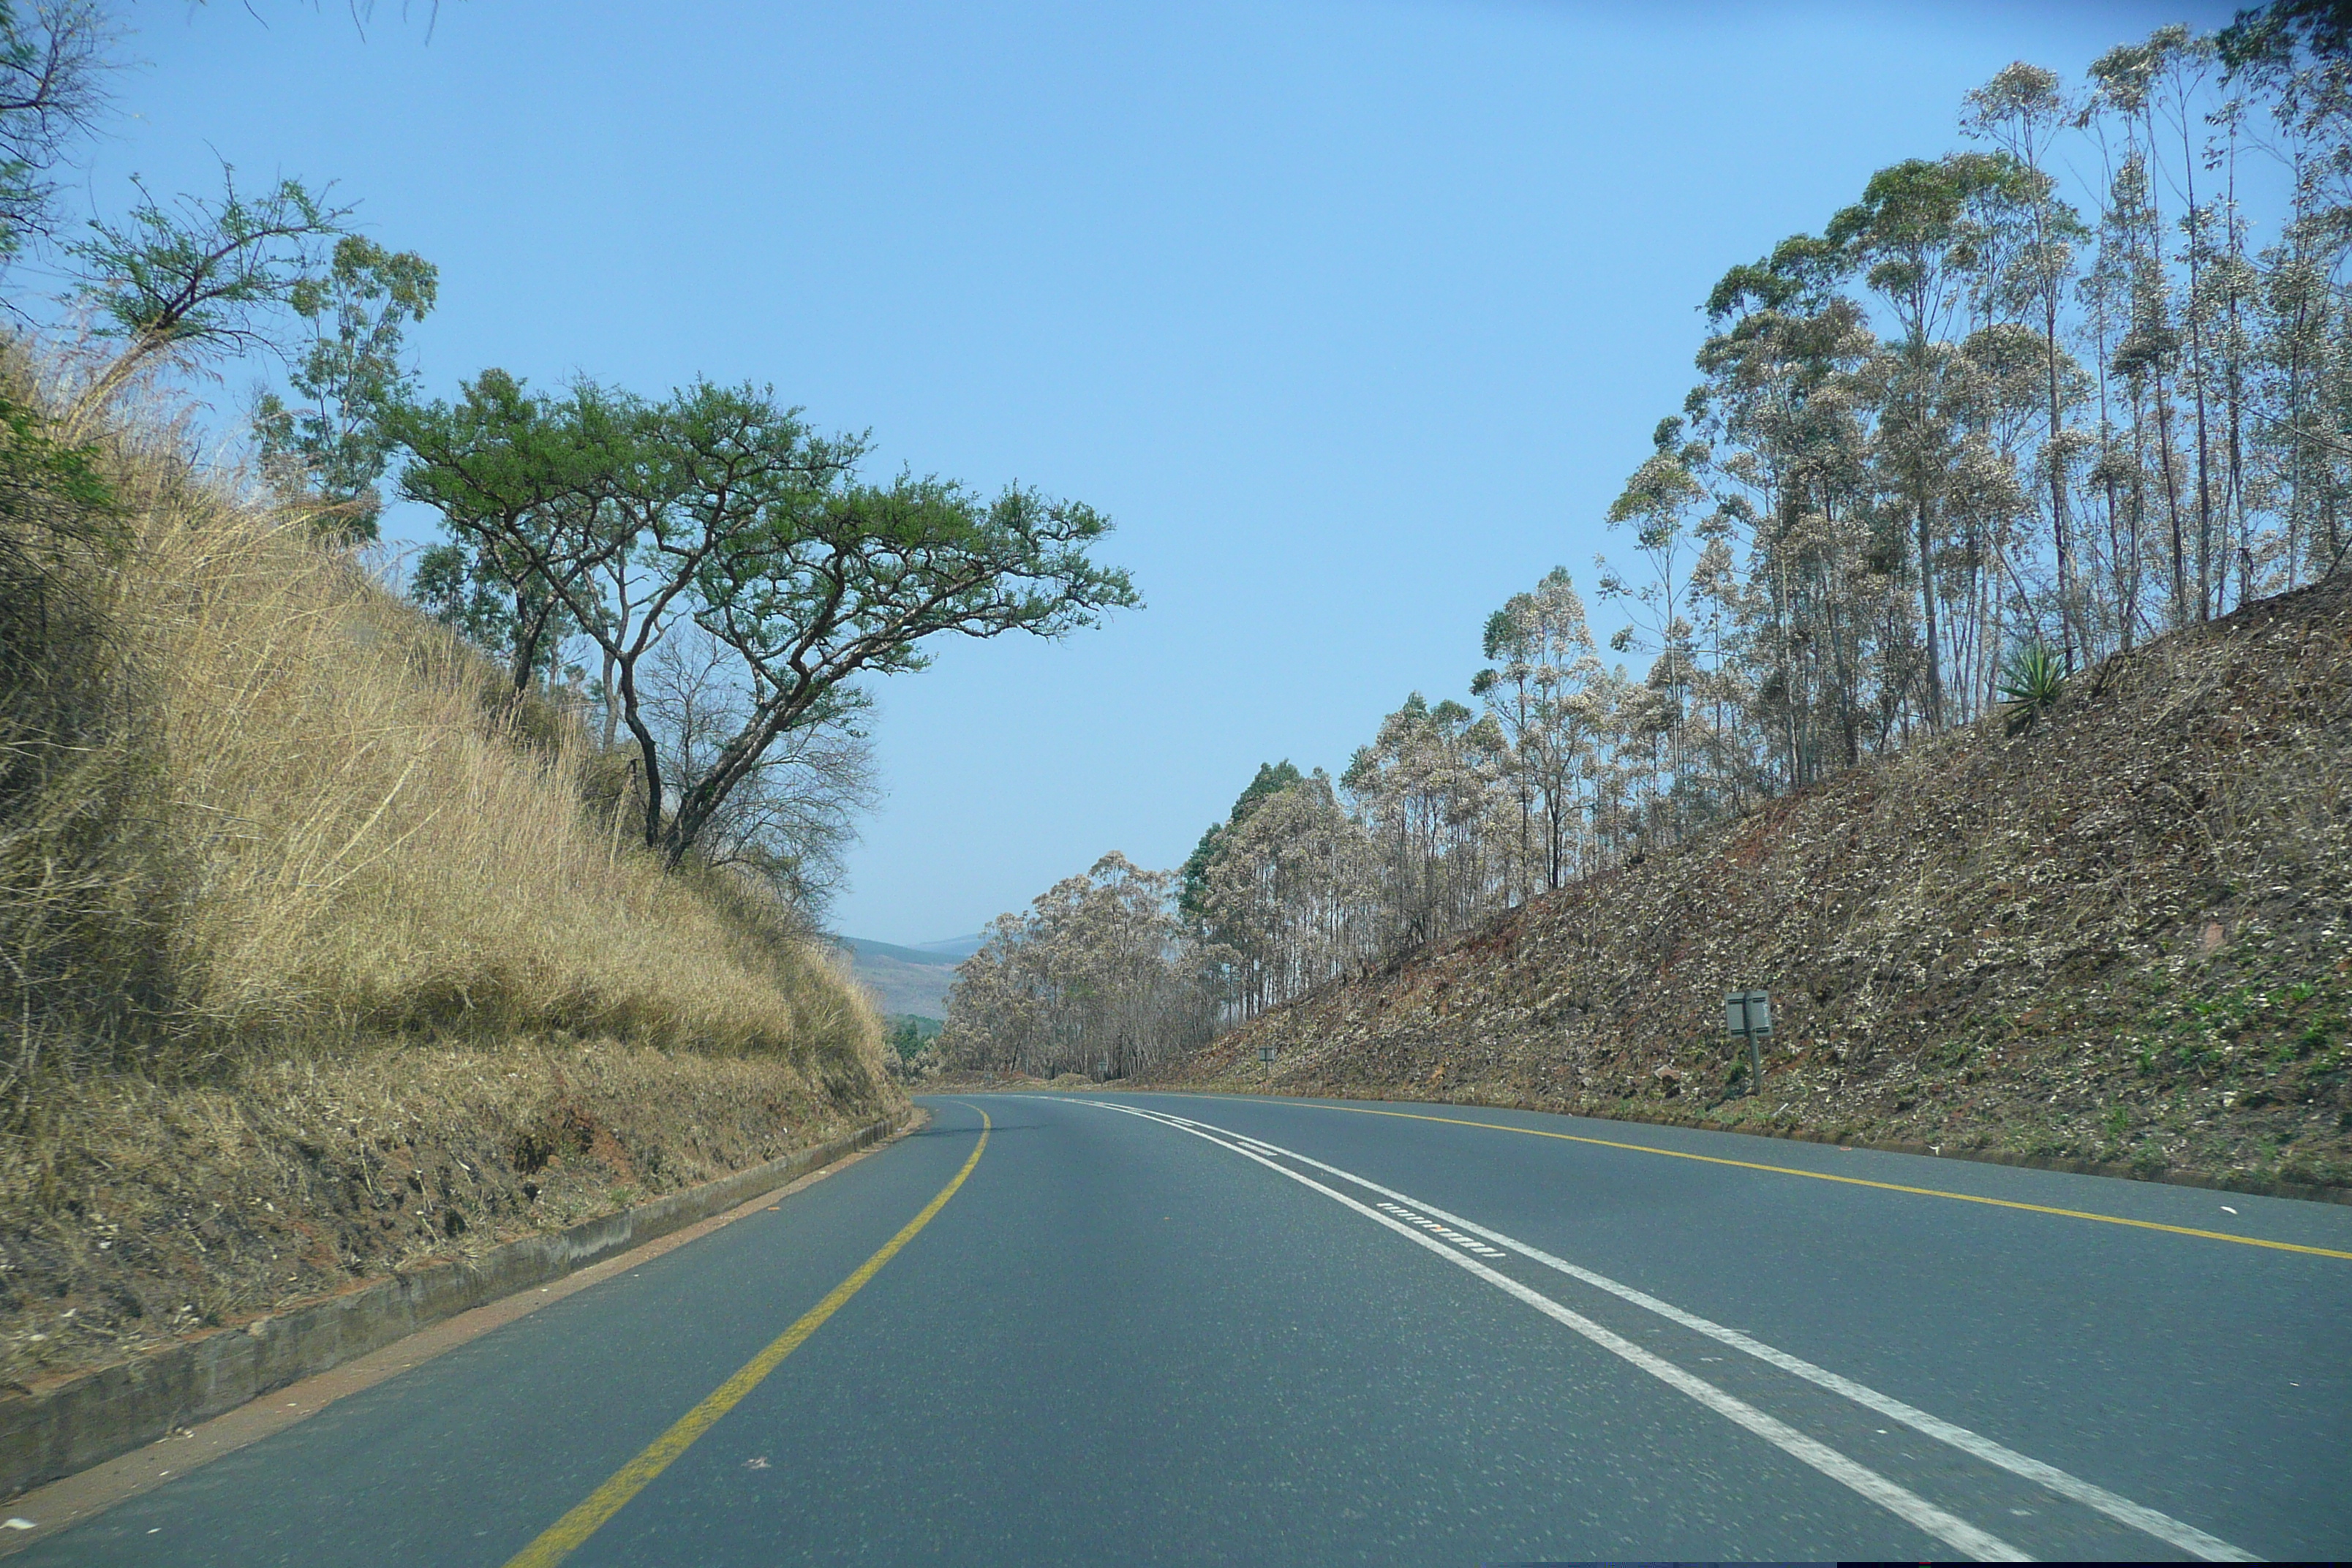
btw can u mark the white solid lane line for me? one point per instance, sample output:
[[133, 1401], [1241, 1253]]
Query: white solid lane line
[[1904, 1503], [2162, 1526]]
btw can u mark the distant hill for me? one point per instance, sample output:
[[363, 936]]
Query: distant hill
[[896, 954], [913, 981], [956, 948]]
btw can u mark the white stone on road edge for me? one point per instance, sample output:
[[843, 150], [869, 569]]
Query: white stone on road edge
[[2186, 1537]]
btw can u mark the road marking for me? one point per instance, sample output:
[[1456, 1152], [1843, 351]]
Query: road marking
[[565, 1535], [1899, 1500], [1847, 1181], [1474, 1244], [2186, 1537]]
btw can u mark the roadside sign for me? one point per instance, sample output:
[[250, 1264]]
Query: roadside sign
[[1266, 1053], [1748, 1015]]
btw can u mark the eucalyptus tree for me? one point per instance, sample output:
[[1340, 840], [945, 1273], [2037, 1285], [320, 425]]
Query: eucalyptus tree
[[1790, 422], [2024, 111], [1537, 695], [2292, 61], [1658, 503], [1918, 235], [2181, 63], [1193, 877], [2286, 28], [1097, 973], [1290, 897], [1426, 790], [2146, 90], [1962, 433]]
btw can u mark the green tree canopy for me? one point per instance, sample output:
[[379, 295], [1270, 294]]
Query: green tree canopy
[[719, 505], [352, 375]]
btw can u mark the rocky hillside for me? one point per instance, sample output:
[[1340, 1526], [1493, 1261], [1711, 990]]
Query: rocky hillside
[[2125, 937]]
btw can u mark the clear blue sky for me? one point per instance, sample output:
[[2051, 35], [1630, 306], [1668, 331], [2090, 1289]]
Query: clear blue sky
[[1353, 315]]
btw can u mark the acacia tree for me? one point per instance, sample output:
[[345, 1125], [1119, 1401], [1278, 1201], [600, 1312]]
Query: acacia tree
[[843, 579], [521, 480], [193, 279], [718, 506], [53, 61], [790, 821]]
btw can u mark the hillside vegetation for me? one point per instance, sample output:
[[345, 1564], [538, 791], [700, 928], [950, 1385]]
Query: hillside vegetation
[[322, 950], [2012, 411], [2124, 936]]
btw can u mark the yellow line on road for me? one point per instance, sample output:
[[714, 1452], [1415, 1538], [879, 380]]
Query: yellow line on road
[[565, 1535], [1849, 1180]]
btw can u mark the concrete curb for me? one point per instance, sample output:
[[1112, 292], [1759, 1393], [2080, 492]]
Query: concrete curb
[[2303, 1192], [97, 1414]]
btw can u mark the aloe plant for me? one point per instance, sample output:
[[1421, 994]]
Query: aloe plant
[[2032, 682]]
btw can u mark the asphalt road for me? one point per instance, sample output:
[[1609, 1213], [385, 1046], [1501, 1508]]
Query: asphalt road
[[1286, 1332]]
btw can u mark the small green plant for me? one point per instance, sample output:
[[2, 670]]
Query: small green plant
[[2031, 682]]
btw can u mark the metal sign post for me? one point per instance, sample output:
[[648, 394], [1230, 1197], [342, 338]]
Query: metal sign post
[[1748, 1015]]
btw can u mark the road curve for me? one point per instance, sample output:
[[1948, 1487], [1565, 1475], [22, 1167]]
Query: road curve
[[1165, 1328]]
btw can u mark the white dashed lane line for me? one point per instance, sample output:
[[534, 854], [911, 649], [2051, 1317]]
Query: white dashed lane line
[[1451, 1236], [1468, 1243]]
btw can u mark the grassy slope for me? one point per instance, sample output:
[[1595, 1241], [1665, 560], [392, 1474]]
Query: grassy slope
[[2126, 939], [401, 993]]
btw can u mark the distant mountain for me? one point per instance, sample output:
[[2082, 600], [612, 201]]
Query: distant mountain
[[910, 980], [959, 948], [891, 950]]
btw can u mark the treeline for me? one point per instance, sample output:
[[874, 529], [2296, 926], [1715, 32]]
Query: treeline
[[2083, 379]]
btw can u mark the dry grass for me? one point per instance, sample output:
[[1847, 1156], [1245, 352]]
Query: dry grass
[[283, 866], [365, 844], [377, 856]]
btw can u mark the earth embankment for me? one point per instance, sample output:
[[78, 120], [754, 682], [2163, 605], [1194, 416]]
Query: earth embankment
[[323, 952], [2124, 938]]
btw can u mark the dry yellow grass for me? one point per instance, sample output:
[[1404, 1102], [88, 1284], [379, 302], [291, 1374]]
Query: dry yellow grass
[[293, 895], [374, 851]]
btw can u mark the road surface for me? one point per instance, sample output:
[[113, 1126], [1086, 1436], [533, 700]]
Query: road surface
[[1191, 1329]]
